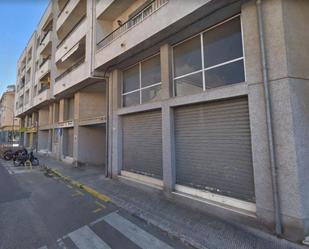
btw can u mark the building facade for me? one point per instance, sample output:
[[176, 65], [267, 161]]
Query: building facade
[[205, 99], [9, 124]]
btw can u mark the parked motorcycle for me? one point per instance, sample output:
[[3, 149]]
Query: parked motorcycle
[[23, 158]]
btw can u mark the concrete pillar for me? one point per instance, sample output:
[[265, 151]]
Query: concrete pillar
[[167, 119], [50, 114], [61, 110], [76, 127], [287, 55], [115, 128]]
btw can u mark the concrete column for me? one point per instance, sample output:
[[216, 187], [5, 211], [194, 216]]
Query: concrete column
[[166, 71], [167, 119], [115, 128], [61, 110], [50, 114], [76, 139], [287, 55]]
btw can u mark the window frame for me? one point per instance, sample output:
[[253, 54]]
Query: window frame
[[203, 70], [140, 88]]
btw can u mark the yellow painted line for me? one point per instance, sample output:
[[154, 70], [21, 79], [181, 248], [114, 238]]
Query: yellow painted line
[[100, 204], [77, 184], [77, 193], [97, 210]]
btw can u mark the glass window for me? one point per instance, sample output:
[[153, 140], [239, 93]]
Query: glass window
[[131, 99], [151, 71], [222, 43], [189, 84], [187, 57], [131, 79], [222, 56], [147, 88], [227, 74], [151, 94]]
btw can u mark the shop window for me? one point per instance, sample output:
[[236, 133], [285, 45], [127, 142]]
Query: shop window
[[211, 59], [142, 82]]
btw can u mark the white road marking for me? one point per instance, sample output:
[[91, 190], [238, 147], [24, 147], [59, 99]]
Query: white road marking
[[43, 247], [85, 238], [137, 235], [61, 244]]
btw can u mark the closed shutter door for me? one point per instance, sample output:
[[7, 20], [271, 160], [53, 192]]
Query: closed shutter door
[[213, 148], [142, 143]]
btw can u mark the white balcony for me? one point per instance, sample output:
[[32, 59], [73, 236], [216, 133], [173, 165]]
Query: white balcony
[[27, 106], [152, 19], [43, 70], [77, 34], [41, 97], [101, 6], [71, 78], [45, 44], [66, 13], [29, 64]]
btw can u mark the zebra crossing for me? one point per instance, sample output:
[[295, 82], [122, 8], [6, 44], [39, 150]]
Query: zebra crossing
[[128, 234]]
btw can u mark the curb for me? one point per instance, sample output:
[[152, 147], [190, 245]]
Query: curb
[[77, 184]]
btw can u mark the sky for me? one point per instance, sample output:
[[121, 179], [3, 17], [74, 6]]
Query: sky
[[18, 20]]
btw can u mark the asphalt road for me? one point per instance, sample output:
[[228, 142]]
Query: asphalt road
[[37, 211]]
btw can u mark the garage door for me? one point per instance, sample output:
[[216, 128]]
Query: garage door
[[142, 143], [213, 148]]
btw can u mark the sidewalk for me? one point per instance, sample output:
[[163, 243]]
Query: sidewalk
[[191, 226]]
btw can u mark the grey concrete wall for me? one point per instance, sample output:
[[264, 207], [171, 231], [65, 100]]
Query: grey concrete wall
[[92, 101], [43, 139], [287, 56], [44, 116], [92, 148]]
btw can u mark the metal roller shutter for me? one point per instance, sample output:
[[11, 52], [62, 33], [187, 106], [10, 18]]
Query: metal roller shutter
[[213, 148], [142, 143]]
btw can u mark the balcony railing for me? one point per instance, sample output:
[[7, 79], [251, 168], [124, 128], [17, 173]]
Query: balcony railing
[[71, 31], [139, 17], [71, 68], [43, 61], [43, 88]]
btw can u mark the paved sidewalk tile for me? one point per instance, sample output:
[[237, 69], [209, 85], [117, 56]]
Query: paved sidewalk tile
[[194, 227]]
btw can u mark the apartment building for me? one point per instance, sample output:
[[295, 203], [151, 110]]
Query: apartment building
[[9, 124], [206, 100]]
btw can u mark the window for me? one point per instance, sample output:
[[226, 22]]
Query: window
[[211, 59], [142, 82]]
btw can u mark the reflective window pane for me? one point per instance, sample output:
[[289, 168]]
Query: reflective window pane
[[187, 57], [189, 85], [151, 71], [131, 99], [151, 94], [224, 75], [223, 43], [131, 79]]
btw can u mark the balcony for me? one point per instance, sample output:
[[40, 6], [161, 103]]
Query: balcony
[[27, 106], [151, 19], [45, 44], [78, 32], [43, 96], [73, 75], [43, 70], [132, 22], [68, 16]]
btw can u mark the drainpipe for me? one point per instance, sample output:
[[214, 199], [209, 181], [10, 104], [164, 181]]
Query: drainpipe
[[268, 107]]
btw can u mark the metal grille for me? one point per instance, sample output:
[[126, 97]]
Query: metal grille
[[142, 143], [213, 148]]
